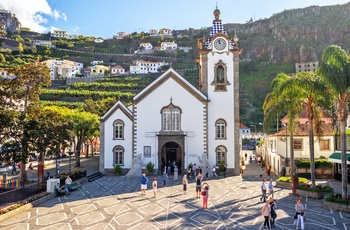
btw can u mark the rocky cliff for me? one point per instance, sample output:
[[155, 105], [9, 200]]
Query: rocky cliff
[[298, 35], [9, 22]]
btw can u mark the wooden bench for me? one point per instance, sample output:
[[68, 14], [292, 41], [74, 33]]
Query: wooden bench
[[75, 185]]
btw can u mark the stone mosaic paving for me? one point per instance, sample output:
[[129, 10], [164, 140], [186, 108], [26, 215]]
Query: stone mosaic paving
[[116, 203]]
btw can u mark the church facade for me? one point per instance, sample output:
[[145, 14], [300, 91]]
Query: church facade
[[171, 123]]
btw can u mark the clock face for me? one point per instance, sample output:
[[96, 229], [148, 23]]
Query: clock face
[[219, 44]]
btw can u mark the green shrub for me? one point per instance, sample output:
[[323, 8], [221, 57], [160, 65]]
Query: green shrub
[[150, 168], [336, 198], [118, 169], [302, 180], [189, 166], [318, 188]]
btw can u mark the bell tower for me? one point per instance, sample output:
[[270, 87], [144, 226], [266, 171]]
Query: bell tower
[[218, 65]]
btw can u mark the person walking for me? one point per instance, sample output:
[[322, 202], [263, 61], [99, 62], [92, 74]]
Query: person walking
[[206, 172], [58, 167], [154, 186], [268, 170], [30, 167], [199, 178], [250, 159], [194, 170], [273, 207], [184, 183], [205, 195], [214, 171], [14, 168], [270, 185], [164, 177], [266, 212], [144, 182], [176, 173], [263, 191], [68, 183], [299, 214]]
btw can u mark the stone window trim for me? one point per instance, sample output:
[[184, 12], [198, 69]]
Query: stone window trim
[[324, 144], [223, 124], [115, 155], [221, 149], [118, 121], [220, 83], [298, 144], [167, 123]]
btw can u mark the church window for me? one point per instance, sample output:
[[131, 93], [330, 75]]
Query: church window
[[118, 155], [166, 120], [220, 129], [220, 76], [221, 155], [118, 129], [171, 119]]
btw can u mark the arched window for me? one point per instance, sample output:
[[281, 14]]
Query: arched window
[[221, 153], [118, 155], [166, 120], [171, 118], [220, 129], [220, 74], [118, 129], [220, 80], [175, 119]]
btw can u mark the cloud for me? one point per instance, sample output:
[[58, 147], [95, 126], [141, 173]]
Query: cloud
[[32, 13]]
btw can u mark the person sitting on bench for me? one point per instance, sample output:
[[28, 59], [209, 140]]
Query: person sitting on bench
[[61, 190]]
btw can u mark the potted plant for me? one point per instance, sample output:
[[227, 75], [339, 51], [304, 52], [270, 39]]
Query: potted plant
[[150, 168], [118, 169]]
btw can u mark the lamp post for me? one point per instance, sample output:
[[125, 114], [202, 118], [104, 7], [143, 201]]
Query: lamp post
[[254, 126], [262, 125]]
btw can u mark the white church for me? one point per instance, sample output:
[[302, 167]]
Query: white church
[[171, 122]]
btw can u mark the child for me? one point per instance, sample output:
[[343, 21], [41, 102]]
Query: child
[[185, 183], [205, 195], [154, 186]]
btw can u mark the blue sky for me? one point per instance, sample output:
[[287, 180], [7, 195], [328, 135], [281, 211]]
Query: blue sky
[[104, 18]]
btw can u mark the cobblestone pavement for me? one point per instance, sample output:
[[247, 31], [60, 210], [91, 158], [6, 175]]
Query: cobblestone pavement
[[116, 203]]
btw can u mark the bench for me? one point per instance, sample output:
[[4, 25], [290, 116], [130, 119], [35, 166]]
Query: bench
[[57, 193], [75, 185]]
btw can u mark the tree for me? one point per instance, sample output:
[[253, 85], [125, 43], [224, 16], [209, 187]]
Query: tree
[[335, 70], [20, 48], [276, 104], [312, 94], [27, 87], [2, 58]]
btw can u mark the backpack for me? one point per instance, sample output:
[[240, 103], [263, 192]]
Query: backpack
[[198, 181], [203, 193]]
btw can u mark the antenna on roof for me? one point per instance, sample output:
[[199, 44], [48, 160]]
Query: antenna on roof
[[216, 4]]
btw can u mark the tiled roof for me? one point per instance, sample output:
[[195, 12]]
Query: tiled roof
[[302, 130]]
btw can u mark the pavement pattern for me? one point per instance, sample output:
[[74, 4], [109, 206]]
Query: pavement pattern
[[114, 202]]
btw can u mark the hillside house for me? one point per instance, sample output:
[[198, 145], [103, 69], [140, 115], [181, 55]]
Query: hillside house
[[63, 68], [43, 43], [146, 46], [120, 35], [3, 73], [153, 32], [306, 67], [96, 62], [117, 70], [59, 34], [99, 70], [145, 67], [165, 32], [168, 46]]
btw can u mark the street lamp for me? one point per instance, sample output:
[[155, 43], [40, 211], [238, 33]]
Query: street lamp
[[262, 125], [286, 125], [254, 126]]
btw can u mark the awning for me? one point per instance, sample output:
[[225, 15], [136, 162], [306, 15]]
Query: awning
[[336, 158]]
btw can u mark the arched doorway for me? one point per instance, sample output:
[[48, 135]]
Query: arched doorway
[[171, 156]]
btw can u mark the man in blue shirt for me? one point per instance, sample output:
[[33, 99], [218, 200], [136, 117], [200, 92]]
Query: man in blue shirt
[[144, 182]]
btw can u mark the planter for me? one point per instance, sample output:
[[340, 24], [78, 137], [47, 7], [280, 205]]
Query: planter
[[282, 184], [336, 206], [311, 194]]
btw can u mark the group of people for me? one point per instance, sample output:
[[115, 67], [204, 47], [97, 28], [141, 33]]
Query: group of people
[[194, 171], [66, 188]]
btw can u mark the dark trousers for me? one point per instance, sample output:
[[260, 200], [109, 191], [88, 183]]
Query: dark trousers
[[266, 222]]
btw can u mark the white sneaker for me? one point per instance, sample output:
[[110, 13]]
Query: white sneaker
[[294, 222]]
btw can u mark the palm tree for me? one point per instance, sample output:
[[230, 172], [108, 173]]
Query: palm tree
[[287, 103], [312, 95], [335, 70]]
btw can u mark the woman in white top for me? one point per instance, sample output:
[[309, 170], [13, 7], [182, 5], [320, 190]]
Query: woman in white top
[[154, 186], [266, 210], [299, 215]]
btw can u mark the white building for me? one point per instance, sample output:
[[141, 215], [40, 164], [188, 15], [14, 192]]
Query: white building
[[306, 66], [146, 46], [165, 32], [3, 73], [120, 35], [168, 46], [117, 70], [98, 40], [64, 68], [43, 43], [59, 34], [145, 67], [96, 62], [172, 122]]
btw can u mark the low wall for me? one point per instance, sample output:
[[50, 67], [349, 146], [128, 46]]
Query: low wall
[[310, 194], [336, 206], [282, 184]]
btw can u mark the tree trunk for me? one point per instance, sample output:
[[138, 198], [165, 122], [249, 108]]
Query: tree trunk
[[344, 166], [23, 173], [312, 153], [292, 164], [77, 153]]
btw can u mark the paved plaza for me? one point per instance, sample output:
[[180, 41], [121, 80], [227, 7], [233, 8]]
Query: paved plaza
[[115, 202]]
